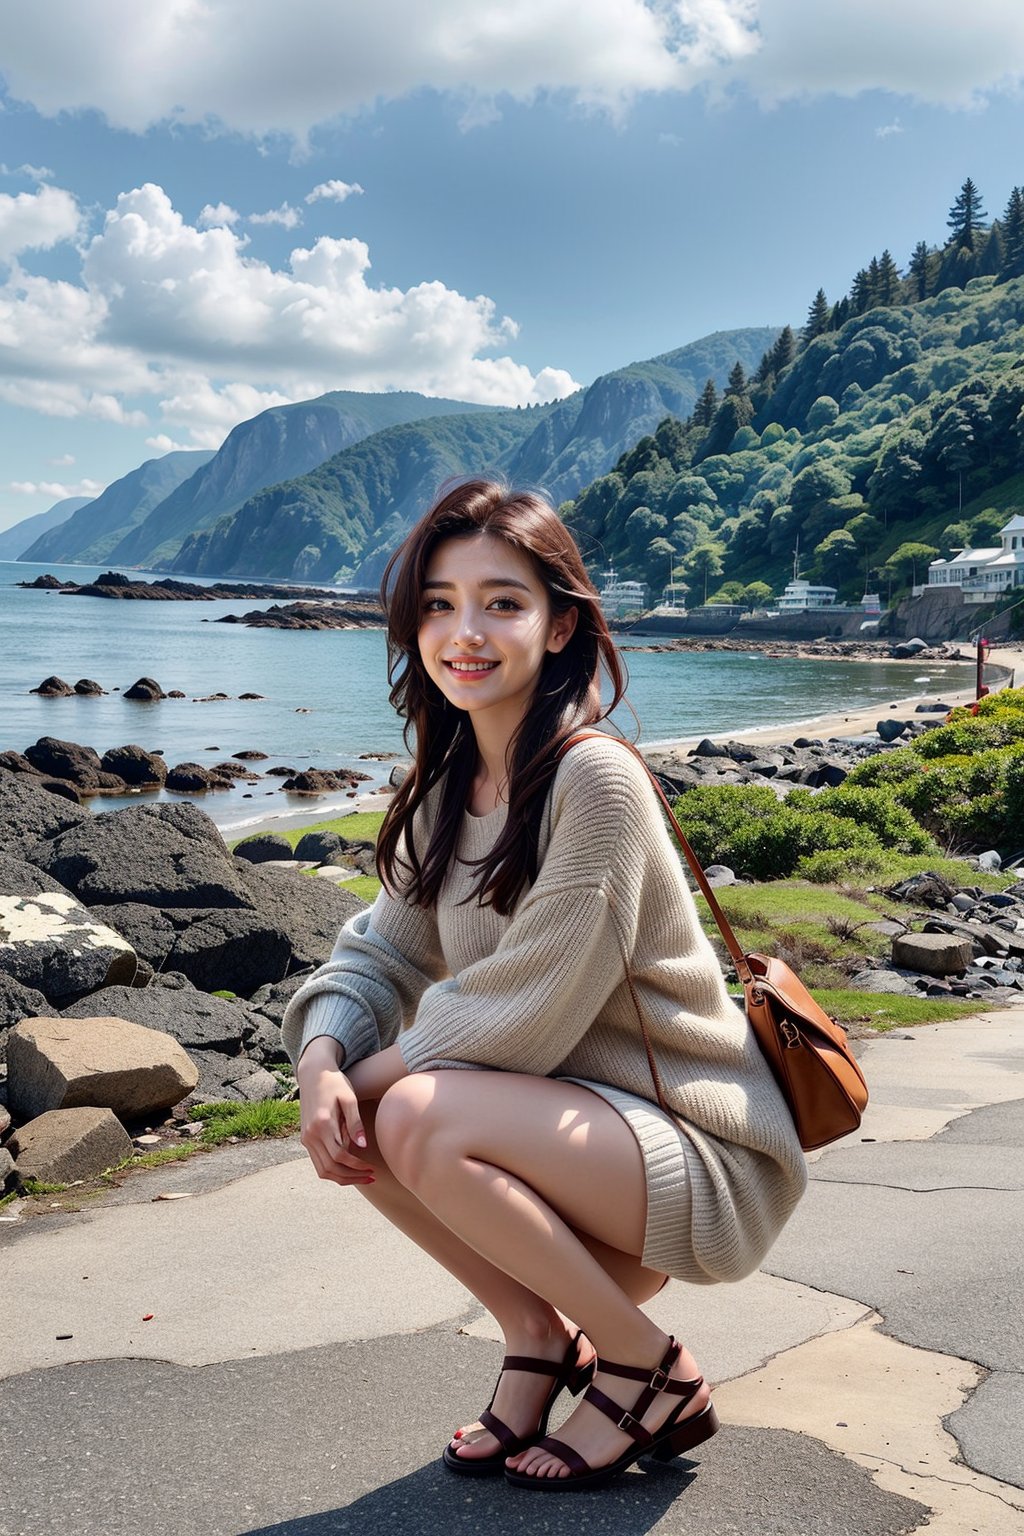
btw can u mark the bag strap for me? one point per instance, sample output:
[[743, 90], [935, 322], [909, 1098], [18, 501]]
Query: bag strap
[[732, 944]]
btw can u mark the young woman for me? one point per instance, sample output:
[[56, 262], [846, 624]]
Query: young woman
[[470, 1057]]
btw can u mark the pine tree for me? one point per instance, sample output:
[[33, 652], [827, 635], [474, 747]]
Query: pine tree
[[966, 217], [707, 405], [918, 270], [1013, 235], [765, 369], [861, 292], [818, 318], [840, 314], [888, 280], [784, 350], [737, 384]]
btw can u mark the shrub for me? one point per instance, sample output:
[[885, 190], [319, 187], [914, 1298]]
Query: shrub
[[839, 866], [879, 811], [711, 814], [770, 847], [888, 769]]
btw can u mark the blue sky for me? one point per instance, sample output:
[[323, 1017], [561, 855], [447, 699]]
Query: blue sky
[[208, 209]]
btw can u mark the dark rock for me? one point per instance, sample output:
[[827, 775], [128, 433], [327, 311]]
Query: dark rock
[[909, 648], [268, 845], [890, 730], [318, 781], [16, 762], [196, 1020], [176, 693], [54, 688], [932, 709], [831, 773], [230, 948], [163, 855], [90, 689], [808, 741], [66, 760], [51, 943], [234, 771], [18, 878], [30, 815], [136, 766], [319, 846], [17, 1002], [252, 696], [145, 688], [709, 748], [309, 912], [250, 755], [281, 773], [927, 888], [188, 778]]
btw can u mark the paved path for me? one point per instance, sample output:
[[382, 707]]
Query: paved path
[[304, 1362]]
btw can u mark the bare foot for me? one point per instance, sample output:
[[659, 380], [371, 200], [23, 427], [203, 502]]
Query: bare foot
[[520, 1395], [595, 1437]]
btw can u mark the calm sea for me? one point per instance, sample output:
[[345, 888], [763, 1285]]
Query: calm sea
[[339, 677]]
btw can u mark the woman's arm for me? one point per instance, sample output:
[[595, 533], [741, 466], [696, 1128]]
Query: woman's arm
[[332, 1127]]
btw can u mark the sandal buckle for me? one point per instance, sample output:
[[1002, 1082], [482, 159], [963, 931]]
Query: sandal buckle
[[627, 1423], [659, 1379]]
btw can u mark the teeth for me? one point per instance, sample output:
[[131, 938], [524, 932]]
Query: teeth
[[472, 666]]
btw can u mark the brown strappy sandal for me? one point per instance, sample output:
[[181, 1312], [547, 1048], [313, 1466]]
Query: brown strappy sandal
[[569, 1373], [672, 1439]]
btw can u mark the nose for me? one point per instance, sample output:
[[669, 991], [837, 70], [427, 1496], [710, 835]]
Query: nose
[[468, 630]]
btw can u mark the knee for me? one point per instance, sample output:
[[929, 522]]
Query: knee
[[407, 1119]]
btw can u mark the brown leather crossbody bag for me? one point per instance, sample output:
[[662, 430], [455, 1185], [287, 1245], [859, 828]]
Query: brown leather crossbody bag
[[806, 1050]]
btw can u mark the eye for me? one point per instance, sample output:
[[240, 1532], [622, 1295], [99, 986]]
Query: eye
[[435, 604], [506, 605]]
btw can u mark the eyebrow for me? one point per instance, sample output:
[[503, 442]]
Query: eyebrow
[[487, 583]]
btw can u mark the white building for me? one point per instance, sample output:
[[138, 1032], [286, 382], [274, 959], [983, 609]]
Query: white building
[[984, 573]]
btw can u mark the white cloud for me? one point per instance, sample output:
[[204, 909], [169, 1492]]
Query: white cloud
[[36, 221], [63, 460], [164, 444], [186, 319], [34, 172], [218, 213], [934, 51], [334, 191], [258, 67], [55, 488], [887, 130], [286, 215]]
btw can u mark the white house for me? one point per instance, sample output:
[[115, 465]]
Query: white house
[[984, 573]]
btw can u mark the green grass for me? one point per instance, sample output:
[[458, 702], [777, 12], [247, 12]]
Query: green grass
[[158, 1156], [267, 1117], [359, 826], [883, 1011], [6, 1199], [366, 887], [42, 1187]]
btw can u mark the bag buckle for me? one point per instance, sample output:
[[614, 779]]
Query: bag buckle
[[790, 1034]]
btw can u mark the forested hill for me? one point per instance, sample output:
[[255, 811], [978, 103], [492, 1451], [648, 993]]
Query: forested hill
[[887, 432], [341, 520]]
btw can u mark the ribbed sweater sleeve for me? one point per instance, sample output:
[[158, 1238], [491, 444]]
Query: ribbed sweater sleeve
[[524, 1007], [382, 962]]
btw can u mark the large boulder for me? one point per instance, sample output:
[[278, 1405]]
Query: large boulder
[[17, 1002], [18, 878], [67, 760], [318, 846], [31, 816], [53, 687], [934, 954], [308, 912], [136, 766], [68, 1144], [219, 948], [52, 943], [107, 1062], [146, 689], [163, 855]]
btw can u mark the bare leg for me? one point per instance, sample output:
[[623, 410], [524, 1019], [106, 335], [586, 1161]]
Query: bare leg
[[519, 1167], [530, 1325]]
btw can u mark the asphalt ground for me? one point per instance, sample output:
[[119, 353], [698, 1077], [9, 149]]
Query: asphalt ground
[[304, 1363]]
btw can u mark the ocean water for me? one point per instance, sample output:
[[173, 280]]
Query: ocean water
[[325, 692]]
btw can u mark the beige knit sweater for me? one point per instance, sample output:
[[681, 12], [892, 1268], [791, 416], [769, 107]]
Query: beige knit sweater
[[543, 991]]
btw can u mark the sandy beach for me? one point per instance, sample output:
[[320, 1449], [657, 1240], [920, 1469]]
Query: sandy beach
[[838, 723]]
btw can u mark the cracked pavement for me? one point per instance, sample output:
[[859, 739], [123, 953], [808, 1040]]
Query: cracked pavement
[[305, 1363]]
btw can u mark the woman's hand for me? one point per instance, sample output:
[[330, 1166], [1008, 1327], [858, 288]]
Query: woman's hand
[[332, 1129]]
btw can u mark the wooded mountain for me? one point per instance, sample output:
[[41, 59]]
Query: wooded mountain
[[889, 432], [91, 533], [276, 445], [340, 521], [18, 538]]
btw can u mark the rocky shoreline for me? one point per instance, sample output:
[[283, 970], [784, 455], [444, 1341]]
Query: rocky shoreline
[[118, 586]]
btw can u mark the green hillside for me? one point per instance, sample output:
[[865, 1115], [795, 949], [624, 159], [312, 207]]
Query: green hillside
[[341, 520], [889, 431]]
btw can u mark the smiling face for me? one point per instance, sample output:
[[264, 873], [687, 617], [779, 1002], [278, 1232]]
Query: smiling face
[[486, 625]]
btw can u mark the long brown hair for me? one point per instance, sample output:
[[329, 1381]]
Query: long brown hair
[[440, 737]]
